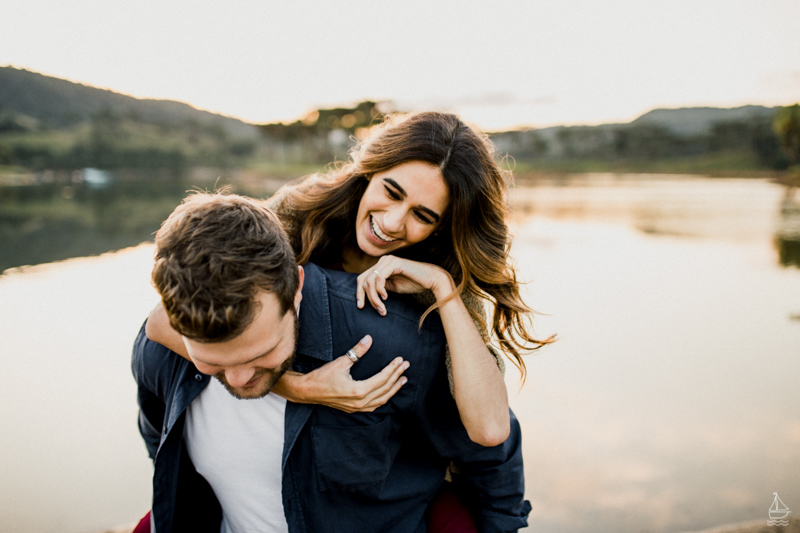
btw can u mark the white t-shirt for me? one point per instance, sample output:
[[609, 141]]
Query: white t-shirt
[[237, 446]]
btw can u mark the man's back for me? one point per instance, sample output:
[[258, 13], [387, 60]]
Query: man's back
[[347, 472], [383, 468]]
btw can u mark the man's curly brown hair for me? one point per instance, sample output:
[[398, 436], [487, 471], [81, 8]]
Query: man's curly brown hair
[[214, 253]]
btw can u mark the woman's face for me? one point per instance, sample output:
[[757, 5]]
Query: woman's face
[[400, 207]]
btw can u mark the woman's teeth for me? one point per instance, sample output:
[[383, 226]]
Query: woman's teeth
[[378, 233]]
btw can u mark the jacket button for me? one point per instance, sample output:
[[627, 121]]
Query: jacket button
[[198, 377]]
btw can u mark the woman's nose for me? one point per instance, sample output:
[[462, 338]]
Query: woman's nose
[[393, 220]]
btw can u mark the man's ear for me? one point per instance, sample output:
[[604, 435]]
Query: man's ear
[[299, 294]]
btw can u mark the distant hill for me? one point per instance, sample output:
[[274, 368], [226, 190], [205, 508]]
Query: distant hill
[[33, 99], [700, 120], [51, 123], [685, 140]]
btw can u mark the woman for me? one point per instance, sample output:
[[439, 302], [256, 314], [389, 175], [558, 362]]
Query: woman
[[419, 209]]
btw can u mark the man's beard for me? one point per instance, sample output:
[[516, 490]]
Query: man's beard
[[271, 376]]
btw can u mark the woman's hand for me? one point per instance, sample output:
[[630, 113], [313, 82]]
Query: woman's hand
[[333, 386], [478, 385], [402, 276]]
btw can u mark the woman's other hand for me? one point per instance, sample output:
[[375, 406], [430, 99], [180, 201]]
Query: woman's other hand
[[333, 386], [402, 276]]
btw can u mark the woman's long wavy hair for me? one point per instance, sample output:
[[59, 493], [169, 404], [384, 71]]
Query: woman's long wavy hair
[[472, 241]]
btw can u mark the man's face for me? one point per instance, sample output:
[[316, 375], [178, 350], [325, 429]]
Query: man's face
[[250, 364]]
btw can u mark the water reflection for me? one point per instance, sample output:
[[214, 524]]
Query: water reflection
[[54, 216], [787, 234], [54, 221], [669, 403], [71, 457]]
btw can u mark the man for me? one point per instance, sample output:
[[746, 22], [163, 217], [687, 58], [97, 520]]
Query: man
[[230, 285]]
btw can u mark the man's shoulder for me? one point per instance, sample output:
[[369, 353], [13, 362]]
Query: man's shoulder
[[153, 363], [334, 316], [403, 311]]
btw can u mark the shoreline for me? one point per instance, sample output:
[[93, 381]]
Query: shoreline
[[753, 526], [529, 175]]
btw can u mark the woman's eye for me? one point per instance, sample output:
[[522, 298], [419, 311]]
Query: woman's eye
[[422, 218], [392, 194]]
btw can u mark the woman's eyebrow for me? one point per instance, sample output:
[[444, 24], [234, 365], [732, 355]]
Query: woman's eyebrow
[[404, 194], [397, 186]]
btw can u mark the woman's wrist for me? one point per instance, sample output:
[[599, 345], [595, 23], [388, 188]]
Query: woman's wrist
[[292, 387], [444, 286]]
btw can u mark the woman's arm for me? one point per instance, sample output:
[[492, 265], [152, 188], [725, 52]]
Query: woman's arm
[[159, 330], [330, 384], [478, 385]]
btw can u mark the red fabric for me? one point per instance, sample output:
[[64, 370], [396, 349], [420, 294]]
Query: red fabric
[[448, 514], [144, 525]]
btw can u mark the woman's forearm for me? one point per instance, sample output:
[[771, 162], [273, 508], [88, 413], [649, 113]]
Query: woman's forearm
[[479, 388], [158, 330], [290, 386]]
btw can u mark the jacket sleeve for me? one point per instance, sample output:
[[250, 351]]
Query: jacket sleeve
[[475, 306], [491, 479], [149, 395]]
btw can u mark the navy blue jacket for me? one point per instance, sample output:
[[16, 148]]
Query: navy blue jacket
[[341, 472]]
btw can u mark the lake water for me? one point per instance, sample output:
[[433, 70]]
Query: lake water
[[670, 402]]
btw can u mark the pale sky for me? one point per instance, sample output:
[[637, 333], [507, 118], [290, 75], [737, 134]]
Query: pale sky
[[498, 64]]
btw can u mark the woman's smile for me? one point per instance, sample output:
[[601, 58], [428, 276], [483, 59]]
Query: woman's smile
[[401, 207], [376, 230]]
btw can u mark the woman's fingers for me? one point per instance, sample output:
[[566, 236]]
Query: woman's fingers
[[384, 380], [358, 350], [382, 386], [400, 275], [380, 400], [370, 283], [360, 290], [333, 385]]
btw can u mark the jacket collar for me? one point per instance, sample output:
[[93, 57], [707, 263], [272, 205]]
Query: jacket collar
[[316, 335]]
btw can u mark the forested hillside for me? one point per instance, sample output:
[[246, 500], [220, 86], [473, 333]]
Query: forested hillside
[[688, 140], [49, 123], [34, 100], [52, 124]]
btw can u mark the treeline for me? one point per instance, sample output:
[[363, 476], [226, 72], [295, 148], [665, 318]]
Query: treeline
[[748, 143], [113, 140], [52, 124], [322, 135], [49, 123], [110, 140]]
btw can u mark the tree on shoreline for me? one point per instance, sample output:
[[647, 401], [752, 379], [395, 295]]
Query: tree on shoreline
[[787, 128]]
